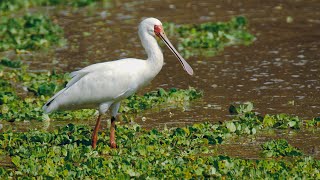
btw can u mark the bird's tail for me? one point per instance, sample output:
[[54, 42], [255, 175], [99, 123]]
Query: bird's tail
[[49, 107], [52, 104]]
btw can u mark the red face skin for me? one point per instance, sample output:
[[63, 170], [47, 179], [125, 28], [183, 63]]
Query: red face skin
[[158, 29]]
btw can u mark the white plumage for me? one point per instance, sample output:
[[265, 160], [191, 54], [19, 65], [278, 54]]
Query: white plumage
[[104, 85], [101, 83]]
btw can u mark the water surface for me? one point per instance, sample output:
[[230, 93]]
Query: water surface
[[279, 72]]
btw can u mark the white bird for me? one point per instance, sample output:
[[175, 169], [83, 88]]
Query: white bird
[[104, 85]]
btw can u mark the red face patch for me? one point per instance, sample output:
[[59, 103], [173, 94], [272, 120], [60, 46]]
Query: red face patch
[[157, 29]]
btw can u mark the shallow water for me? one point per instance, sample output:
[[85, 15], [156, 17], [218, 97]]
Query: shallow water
[[250, 147], [279, 72]]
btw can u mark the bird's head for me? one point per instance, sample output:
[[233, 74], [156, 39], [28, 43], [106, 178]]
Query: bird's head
[[154, 27], [151, 25]]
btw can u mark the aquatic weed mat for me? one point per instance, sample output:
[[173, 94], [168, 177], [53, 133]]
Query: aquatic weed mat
[[170, 153]]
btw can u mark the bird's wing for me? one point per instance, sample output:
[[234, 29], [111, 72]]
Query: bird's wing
[[99, 83], [104, 66], [77, 75]]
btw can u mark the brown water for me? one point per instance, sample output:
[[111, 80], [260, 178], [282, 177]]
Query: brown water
[[250, 147], [279, 72]]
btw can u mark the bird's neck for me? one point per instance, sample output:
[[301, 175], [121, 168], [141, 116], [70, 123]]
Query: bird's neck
[[155, 56]]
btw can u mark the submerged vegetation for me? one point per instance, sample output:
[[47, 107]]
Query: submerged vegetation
[[174, 153], [209, 38]]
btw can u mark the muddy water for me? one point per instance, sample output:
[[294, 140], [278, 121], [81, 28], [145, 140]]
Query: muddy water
[[250, 147], [279, 72]]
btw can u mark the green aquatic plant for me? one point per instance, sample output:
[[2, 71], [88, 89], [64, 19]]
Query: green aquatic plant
[[173, 96], [244, 112], [46, 84], [282, 121], [13, 5], [209, 38], [246, 107], [186, 152], [174, 153], [315, 122], [9, 63], [279, 147], [16, 101], [29, 32]]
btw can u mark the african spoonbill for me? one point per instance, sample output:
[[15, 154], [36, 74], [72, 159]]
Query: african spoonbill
[[104, 85]]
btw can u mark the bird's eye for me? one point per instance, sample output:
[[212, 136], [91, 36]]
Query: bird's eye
[[151, 31]]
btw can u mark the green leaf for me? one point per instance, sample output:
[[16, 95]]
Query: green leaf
[[16, 160], [231, 127]]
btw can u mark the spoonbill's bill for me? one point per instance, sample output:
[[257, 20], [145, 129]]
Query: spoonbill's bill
[[104, 85]]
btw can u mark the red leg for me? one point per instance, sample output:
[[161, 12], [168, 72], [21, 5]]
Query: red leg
[[112, 133], [95, 133]]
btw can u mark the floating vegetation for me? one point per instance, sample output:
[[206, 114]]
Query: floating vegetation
[[282, 121], [241, 108], [13, 5], [279, 147], [23, 93], [209, 38], [29, 32], [279, 121], [9, 63], [15, 79], [174, 97], [315, 122], [186, 153]]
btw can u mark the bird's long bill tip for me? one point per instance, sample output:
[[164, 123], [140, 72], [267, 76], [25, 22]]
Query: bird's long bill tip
[[183, 62]]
